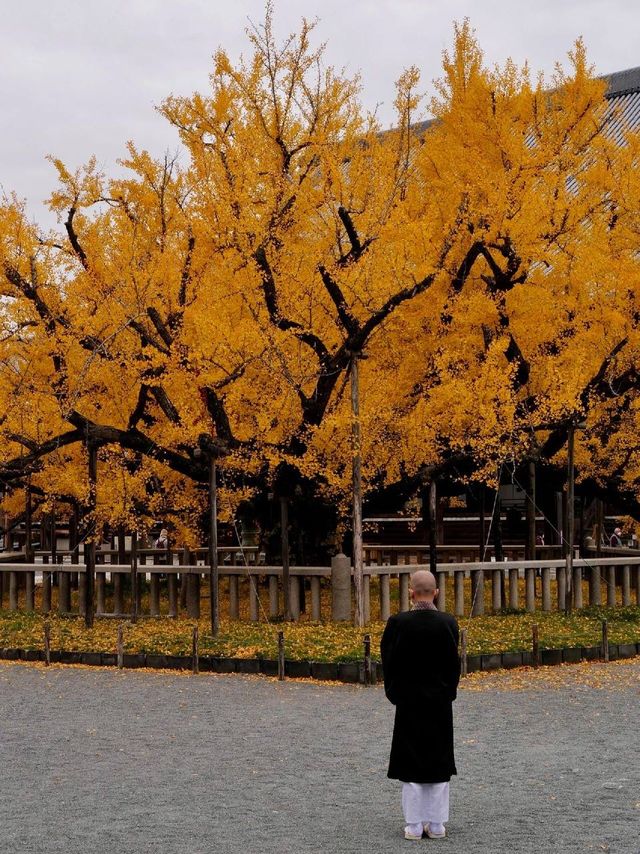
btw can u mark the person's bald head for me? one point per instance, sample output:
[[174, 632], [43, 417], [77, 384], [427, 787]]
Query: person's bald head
[[423, 585]]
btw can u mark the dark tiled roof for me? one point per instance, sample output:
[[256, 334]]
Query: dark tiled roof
[[623, 82], [623, 95]]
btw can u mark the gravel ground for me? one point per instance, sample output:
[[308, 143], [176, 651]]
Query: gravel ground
[[101, 761]]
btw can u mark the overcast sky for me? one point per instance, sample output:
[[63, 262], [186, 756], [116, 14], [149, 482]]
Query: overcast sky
[[81, 77]]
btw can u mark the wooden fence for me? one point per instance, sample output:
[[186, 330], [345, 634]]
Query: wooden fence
[[177, 583]]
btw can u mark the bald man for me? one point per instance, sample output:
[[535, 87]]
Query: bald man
[[421, 672]]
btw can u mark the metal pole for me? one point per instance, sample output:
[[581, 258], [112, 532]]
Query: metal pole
[[214, 602], [358, 561], [90, 544], [531, 512], [570, 517], [284, 539], [433, 526], [28, 545], [135, 587]]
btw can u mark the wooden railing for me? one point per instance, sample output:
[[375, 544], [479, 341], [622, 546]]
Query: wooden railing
[[465, 587]]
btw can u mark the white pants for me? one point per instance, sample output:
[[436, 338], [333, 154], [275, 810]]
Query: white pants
[[425, 803]]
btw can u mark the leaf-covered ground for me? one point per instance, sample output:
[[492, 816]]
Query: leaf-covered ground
[[307, 640]]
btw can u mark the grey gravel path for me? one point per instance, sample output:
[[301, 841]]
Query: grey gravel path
[[97, 761]]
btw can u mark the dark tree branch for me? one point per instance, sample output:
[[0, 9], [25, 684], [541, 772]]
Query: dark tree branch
[[138, 412], [218, 414], [283, 323], [161, 329], [164, 402], [73, 238], [333, 289]]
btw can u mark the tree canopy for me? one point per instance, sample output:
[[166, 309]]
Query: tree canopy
[[484, 265]]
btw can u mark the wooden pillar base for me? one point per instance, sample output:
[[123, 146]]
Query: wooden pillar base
[[64, 592]]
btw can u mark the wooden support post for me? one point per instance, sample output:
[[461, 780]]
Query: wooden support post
[[458, 593], [100, 601], [253, 599], [54, 537], [385, 597], [281, 673], [477, 592], [195, 668], [561, 581], [234, 598], [595, 586], [154, 594], [577, 587], [172, 590], [463, 653], [496, 589], [513, 589], [535, 646], [82, 595], [274, 596], [626, 586], [47, 643], [441, 581], [29, 590], [46, 592], [294, 597], [404, 591], [605, 640], [530, 589], [611, 586], [316, 615], [13, 591], [368, 670], [118, 605], [120, 648], [64, 592], [366, 591]]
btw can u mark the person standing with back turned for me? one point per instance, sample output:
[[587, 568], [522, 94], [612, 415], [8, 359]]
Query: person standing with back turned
[[421, 673]]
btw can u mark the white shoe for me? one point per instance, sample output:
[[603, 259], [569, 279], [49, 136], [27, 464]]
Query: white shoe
[[430, 833], [409, 835]]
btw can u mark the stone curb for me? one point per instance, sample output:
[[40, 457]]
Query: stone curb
[[351, 672]]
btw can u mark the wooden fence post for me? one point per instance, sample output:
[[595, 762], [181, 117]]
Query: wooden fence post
[[368, 670], [47, 643], [195, 666], [120, 648], [605, 640], [281, 656], [535, 645], [463, 653]]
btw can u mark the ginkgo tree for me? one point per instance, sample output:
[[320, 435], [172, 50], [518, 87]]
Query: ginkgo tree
[[211, 305]]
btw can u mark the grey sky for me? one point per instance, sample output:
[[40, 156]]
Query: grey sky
[[80, 77]]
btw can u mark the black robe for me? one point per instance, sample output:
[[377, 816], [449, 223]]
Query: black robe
[[421, 672]]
